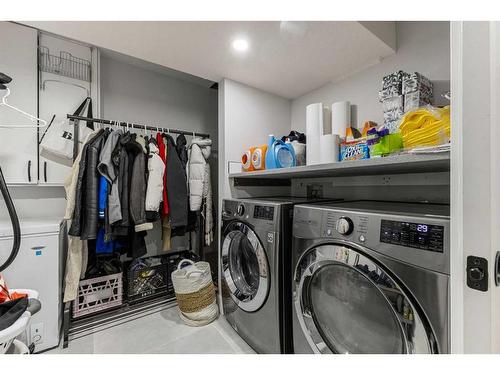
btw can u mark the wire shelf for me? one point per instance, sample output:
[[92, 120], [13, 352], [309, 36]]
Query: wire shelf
[[65, 65]]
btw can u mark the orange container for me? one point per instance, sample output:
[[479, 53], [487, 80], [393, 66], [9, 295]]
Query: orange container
[[246, 160], [259, 158]]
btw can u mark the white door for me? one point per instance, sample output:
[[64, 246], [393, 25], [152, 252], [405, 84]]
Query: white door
[[18, 147], [61, 95], [475, 184]]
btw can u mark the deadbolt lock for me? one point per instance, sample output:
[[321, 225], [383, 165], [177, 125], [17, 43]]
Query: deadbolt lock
[[477, 273]]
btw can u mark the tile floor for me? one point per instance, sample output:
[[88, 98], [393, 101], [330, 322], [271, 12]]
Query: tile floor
[[162, 333]]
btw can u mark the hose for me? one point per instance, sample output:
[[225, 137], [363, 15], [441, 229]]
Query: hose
[[15, 223]]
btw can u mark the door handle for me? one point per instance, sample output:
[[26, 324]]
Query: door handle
[[304, 297], [45, 171], [497, 269], [29, 170]]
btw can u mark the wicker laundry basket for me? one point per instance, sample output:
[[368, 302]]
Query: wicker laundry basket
[[195, 293]]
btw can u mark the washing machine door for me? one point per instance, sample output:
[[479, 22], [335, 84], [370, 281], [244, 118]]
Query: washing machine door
[[346, 302], [245, 266]]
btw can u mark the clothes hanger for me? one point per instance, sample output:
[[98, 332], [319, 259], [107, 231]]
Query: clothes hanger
[[3, 103]]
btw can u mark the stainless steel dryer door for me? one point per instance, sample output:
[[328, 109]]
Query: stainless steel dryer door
[[245, 266], [348, 303]]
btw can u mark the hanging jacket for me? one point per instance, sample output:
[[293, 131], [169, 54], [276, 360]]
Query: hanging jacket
[[176, 187], [76, 255], [138, 187], [200, 185], [199, 151], [79, 202], [71, 181], [163, 156], [182, 150], [91, 194], [120, 158], [108, 170], [154, 190]]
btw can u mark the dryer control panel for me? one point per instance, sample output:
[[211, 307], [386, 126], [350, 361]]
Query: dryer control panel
[[415, 235]]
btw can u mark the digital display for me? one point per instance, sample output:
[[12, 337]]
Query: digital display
[[263, 212], [422, 228], [415, 235]]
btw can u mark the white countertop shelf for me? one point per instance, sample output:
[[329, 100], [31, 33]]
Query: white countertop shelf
[[396, 164]]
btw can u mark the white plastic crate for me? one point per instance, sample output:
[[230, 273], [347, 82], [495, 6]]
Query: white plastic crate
[[98, 294]]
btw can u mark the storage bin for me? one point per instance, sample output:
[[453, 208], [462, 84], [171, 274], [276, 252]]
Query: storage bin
[[98, 294], [195, 293], [147, 281], [173, 261]]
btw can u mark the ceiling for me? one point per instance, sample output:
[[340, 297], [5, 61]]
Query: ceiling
[[285, 58]]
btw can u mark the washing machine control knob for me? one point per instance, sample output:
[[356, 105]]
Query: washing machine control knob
[[241, 210], [345, 226]]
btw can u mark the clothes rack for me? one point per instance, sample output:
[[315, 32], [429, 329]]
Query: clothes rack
[[75, 119]]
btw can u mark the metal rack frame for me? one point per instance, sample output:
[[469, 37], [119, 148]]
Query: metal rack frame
[[77, 119]]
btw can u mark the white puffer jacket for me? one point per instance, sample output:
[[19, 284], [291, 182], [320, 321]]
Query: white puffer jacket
[[154, 192], [200, 186]]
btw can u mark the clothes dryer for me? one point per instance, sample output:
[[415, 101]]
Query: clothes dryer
[[371, 277]]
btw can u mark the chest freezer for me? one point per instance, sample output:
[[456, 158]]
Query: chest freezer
[[38, 266]]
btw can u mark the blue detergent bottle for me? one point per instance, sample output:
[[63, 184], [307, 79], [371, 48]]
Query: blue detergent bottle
[[279, 154]]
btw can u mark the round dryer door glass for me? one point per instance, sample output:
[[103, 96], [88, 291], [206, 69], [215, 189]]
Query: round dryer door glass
[[346, 301], [245, 266], [351, 313]]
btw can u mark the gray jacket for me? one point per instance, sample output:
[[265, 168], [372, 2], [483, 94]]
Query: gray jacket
[[107, 169]]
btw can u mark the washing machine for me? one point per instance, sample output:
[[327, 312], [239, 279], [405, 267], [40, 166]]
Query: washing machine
[[256, 270], [371, 277]]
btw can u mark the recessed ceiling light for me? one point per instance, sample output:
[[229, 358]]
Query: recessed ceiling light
[[240, 45]]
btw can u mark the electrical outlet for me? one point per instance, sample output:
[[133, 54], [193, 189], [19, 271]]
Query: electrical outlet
[[37, 333]]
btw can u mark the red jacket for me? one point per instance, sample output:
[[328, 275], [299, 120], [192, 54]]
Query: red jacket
[[161, 147]]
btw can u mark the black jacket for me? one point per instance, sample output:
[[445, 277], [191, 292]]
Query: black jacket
[[91, 208], [182, 151], [176, 186], [137, 207], [76, 222]]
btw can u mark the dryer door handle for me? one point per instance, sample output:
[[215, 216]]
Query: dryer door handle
[[305, 297]]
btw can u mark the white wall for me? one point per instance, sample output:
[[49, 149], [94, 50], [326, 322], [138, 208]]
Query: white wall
[[422, 46], [131, 93], [247, 117], [35, 201]]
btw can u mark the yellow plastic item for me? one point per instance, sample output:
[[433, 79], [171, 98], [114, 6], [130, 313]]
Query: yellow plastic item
[[425, 127]]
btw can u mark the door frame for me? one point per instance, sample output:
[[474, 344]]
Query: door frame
[[475, 208]]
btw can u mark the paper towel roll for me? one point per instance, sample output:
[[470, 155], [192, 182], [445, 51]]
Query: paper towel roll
[[329, 148], [317, 117], [341, 117]]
